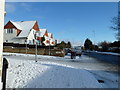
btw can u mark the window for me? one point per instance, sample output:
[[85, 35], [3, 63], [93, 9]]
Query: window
[[6, 40], [10, 30], [30, 42]]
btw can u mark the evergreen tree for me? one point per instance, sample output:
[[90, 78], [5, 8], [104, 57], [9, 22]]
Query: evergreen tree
[[42, 40], [61, 45], [64, 45], [88, 44], [69, 45], [105, 45]]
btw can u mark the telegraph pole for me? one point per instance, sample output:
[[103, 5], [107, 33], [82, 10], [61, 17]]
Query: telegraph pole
[[35, 46]]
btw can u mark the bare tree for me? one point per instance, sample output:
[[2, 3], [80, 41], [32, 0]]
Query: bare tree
[[116, 26], [116, 23]]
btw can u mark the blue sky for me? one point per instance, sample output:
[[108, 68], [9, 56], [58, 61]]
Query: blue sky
[[68, 21]]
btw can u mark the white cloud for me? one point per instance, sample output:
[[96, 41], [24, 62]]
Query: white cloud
[[26, 6], [10, 7], [76, 43]]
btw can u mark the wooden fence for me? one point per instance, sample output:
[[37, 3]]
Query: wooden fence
[[41, 50]]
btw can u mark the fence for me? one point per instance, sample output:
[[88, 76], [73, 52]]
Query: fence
[[17, 45], [41, 50]]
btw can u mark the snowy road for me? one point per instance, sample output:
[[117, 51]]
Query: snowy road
[[101, 70], [84, 62]]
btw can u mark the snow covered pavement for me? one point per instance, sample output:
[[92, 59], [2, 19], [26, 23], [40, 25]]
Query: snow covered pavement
[[58, 72]]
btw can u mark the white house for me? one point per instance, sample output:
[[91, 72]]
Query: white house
[[48, 37], [26, 32], [20, 32], [52, 41]]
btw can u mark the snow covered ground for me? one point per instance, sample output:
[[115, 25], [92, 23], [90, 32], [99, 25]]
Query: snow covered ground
[[58, 72]]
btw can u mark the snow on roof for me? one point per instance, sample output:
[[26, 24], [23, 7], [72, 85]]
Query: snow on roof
[[16, 25], [42, 32], [26, 26]]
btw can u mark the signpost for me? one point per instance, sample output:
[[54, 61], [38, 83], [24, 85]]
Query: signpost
[[35, 36]]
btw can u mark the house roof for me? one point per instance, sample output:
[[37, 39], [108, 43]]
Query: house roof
[[50, 35], [42, 32], [25, 26], [16, 25]]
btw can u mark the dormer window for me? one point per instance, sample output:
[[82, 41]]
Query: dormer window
[[10, 30]]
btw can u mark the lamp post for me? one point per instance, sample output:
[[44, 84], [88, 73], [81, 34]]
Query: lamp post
[[49, 47], [94, 36], [36, 53], [94, 39], [35, 36], [26, 45]]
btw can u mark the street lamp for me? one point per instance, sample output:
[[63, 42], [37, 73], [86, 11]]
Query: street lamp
[[35, 36], [94, 36], [26, 45], [94, 39], [49, 46], [36, 53]]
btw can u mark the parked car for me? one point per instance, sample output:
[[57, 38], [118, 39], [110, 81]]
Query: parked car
[[77, 50], [67, 50]]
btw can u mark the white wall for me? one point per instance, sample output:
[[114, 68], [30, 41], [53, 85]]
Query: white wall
[[31, 36], [49, 39], [1, 34], [9, 36]]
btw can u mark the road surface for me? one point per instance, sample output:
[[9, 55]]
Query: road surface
[[100, 69], [83, 62]]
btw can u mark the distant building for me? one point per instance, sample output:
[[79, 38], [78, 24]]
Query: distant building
[[52, 41], [48, 37], [26, 32]]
